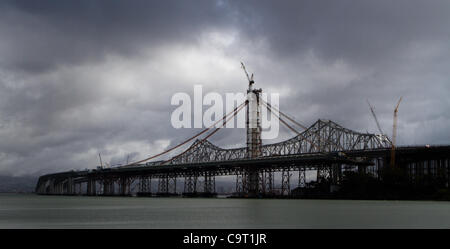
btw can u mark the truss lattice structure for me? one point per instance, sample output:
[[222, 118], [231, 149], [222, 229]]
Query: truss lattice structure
[[322, 136]]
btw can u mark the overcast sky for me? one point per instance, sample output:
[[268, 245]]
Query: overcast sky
[[78, 78]]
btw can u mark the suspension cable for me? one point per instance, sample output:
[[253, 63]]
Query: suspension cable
[[190, 139], [286, 116], [290, 127], [236, 110]]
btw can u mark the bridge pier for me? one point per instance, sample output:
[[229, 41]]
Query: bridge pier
[[285, 182], [301, 177], [54, 188], [241, 182], [58, 188], [163, 183], [77, 188], [210, 183], [167, 185], [124, 186], [108, 186], [190, 184], [51, 187], [246, 186], [336, 173], [266, 182], [91, 189], [70, 186], [323, 173], [145, 186], [252, 182]]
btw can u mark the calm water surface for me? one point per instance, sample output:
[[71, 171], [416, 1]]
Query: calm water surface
[[33, 211]]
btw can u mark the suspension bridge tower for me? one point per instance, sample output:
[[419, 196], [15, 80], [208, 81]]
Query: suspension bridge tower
[[253, 127]]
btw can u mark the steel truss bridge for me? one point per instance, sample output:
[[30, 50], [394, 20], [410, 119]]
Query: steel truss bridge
[[325, 147]]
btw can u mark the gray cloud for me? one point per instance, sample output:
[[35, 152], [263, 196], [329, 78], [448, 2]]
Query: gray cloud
[[78, 78], [79, 31]]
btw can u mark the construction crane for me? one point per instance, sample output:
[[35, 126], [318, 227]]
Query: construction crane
[[394, 133], [375, 117], [100, 157], [250, 79]]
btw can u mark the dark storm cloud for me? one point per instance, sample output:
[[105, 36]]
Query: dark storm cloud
[[361, 31], [78, 78], [40, 35], [395, 48]]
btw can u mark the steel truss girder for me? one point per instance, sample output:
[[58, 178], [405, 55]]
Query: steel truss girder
[[326, 135]]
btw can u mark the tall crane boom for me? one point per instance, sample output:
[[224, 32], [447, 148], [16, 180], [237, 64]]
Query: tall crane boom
[[100, 157], [250, 79], [394, 133], [375, 117]]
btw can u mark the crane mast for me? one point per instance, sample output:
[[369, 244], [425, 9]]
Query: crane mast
[[394, 133], [250, 79], [100, 157], [375, 117]]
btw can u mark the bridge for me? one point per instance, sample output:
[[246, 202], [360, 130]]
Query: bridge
[[325, 147]]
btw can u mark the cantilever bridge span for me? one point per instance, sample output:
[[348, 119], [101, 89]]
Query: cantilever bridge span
[[325, 147]]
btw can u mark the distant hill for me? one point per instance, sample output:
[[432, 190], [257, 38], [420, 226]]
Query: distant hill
[[11, 184]]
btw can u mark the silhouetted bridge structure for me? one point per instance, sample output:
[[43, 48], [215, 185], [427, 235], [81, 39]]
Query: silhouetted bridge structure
[[326, 148]]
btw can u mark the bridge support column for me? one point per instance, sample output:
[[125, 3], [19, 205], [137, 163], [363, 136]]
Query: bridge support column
[[70, 186], [167, 185], [51, 187], [108, 186], [240, 182], [336, 173], [301, 177], [163, 183], [210, 183], [252, 182], [323, 173], [124, 186], [285, 182], [190, 184], [78, 188], [268, 181], [63, 187], [173, 184], [262, 182], [91, 187], [145, 185], [254, 143], [59, 188], [56, 188]]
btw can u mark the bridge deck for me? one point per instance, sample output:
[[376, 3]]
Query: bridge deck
[[273, 162]]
